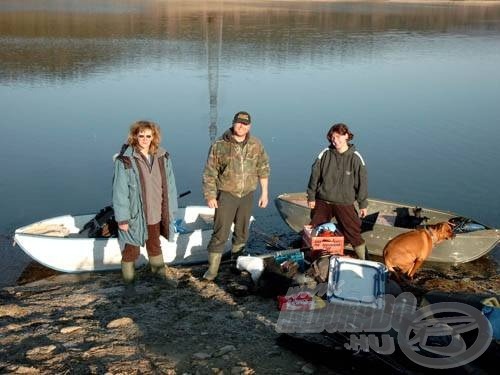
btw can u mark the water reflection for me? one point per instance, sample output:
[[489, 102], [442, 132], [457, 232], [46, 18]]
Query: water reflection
[[213, 40], [58, 40], [418, 84]]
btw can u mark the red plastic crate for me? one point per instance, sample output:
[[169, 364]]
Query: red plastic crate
[[323, 245]]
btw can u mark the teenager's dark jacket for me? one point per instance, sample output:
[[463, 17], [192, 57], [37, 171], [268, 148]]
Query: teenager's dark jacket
[[339, 178]]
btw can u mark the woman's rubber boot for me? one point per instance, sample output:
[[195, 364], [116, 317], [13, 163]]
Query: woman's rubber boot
[[213, 266], [128, 275], [160, 270], [361, 251], [128, 272]]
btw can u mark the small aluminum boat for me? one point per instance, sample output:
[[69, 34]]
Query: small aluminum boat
[[387, 219]]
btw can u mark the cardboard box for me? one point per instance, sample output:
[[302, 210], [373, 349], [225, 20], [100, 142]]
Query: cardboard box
[[322, 245]]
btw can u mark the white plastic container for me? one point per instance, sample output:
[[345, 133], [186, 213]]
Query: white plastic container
[[356, 282]]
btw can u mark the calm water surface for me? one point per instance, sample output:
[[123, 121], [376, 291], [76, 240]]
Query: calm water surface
[[418, 84]]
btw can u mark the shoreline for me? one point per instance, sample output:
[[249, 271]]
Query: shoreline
[[83, 323]]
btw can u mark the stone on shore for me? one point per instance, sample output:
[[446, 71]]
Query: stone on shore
[[68, 330], [121, 322], [40, 352]]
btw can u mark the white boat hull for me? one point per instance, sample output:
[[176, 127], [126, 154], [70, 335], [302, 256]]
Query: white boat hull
[[76, 254]]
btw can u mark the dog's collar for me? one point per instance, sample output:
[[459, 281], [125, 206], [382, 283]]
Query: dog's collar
[[431, 233]]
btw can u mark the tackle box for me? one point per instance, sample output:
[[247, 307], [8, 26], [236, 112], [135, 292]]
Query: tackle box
[[293, 255]]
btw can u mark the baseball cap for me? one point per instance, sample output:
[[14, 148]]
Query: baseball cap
[[242, 117]]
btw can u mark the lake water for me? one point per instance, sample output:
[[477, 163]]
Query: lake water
[[419, 85]]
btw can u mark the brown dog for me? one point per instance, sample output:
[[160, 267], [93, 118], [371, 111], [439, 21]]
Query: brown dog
[[406, 253]]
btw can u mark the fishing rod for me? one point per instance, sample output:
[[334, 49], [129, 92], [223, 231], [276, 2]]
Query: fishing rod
[[270, 240], [187, 192]]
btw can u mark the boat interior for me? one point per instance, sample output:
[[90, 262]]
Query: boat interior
[[189, 219], [400, 216]]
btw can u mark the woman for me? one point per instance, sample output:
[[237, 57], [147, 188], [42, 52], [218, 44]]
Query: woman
[[144, 198], [338, 179]]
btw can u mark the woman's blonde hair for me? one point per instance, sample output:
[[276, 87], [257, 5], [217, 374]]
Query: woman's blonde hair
[[139, 126]]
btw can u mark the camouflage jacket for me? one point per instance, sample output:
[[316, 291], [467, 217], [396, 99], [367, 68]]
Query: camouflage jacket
[[234, 167]]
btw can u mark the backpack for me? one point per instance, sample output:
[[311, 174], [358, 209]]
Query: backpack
[[319, 269], [276, 280], [124, 159], [101, 225]]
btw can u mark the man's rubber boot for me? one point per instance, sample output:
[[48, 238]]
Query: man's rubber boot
[[160, 270], [237, 251], [213, 266], [361, 251]]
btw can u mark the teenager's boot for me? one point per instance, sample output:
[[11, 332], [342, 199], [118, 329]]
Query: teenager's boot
[[361, 251]]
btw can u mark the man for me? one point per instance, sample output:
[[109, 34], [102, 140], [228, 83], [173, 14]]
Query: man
[[236, 162]]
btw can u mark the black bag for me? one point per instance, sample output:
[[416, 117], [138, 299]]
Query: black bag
[[102, 225], [405, 220], [276, 280], [319, 269]]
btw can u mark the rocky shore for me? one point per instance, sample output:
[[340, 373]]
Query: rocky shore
[[83, 324]]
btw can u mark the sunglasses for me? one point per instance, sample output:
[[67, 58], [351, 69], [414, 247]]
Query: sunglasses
[[144, 136]]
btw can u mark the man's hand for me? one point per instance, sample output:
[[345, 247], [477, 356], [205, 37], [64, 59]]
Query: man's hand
[[212, 203], [123, 227], [263, 201], [311, 204]]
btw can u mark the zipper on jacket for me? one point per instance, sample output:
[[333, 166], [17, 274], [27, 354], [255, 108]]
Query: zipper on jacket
[[240, 147]]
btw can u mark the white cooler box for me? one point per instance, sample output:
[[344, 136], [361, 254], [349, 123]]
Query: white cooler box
[[356, 282]]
